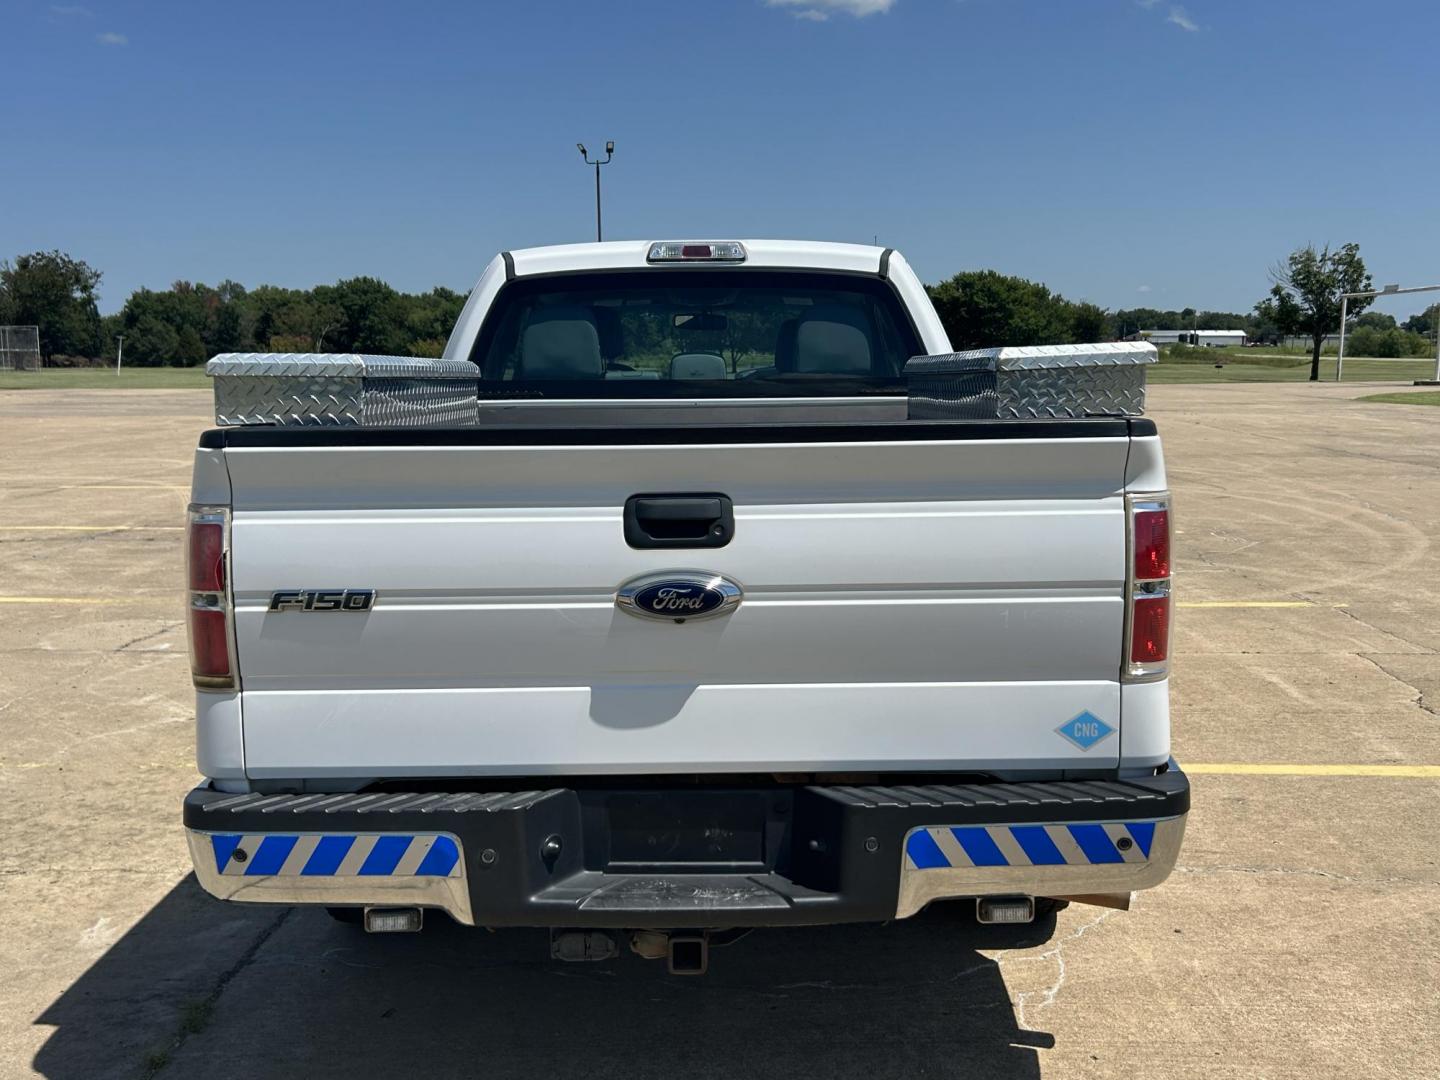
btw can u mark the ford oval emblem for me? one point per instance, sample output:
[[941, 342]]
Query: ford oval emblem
[[679, 595]]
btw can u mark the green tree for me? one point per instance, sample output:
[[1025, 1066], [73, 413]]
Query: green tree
[[982, 308], [1376, 320], [1424, 323], [1089, 323], [372, 316], [150, 340], [1305, 298], [51, 290]]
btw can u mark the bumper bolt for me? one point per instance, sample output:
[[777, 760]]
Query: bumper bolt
[[488, 856], [1124, 843], [872, 845], [239, 854]]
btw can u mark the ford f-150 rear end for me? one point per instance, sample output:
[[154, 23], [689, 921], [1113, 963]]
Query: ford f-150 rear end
[[690, 629]]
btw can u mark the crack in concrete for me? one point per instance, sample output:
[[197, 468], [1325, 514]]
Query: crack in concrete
[[1329, 875], [146, 637], [1057, 953], [1419, 694], [35, 871], [207, 1005], [1425, 650]]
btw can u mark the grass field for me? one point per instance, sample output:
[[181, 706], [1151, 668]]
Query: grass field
[[1272, 368], [1419, 397], [105, 379], [1237, 367]]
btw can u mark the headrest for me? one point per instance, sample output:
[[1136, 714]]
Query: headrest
[[561, 343], [833, 340]]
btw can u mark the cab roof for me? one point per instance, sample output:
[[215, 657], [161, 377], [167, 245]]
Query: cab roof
[[631, 254]]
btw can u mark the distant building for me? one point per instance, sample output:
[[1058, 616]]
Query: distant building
[[1215, 338], [1305, 342]]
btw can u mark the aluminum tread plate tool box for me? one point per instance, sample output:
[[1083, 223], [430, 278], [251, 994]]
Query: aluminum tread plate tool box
[[343, 390], [1037, 381]]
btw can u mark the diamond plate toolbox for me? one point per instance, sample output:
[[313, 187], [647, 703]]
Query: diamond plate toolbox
[[1031, 382], [343, 390]]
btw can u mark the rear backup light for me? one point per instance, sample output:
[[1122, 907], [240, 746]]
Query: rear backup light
[[208, 605], [1147, 588], [209, 644], [696, 251], [1150, 630]]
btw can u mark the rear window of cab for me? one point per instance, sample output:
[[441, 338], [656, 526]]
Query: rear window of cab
[[679, 330]]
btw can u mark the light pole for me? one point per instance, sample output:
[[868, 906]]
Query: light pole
[[119, 352], [1388, 290], [585, 155]]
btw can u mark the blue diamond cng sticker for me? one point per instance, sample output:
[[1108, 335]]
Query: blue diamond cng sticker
[[1085, 730]]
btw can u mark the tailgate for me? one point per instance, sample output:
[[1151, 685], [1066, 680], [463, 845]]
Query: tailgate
[[911, 602]]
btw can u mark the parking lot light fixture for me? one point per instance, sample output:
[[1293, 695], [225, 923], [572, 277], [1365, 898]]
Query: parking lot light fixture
[[585, 155]]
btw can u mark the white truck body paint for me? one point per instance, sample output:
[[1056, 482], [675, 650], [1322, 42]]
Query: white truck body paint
[[909, 605]]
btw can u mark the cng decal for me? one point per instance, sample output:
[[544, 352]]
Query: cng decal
[[1085, 730]]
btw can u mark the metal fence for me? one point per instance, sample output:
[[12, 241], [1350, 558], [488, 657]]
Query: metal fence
[[19, 348]]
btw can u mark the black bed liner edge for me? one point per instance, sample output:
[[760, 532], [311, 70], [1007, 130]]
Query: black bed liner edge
[[894, 431]]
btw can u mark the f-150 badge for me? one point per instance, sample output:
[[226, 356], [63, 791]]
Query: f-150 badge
[[322, 600], [679, 595]]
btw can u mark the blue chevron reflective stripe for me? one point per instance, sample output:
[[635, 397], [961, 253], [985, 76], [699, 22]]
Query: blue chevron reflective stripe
[[1097, 846], [224, 847], [336, 854], [440, 859], [274, 850], [1144, 834], [385, 856], [980, 847], [923, 850], [1037, 845], [329, 853], [1061, 844]]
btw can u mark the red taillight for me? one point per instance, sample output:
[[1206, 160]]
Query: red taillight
[[209, 644], [1150, 630], [205, 558], [1152, 544], [207, 613], [1147, 588]]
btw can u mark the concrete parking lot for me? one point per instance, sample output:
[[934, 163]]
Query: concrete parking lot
[[1299, 938]]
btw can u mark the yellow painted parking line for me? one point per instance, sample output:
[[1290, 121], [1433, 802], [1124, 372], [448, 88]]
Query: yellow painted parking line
[[91, 528], [1255, 604], [97, 487], [69, 599], [1409, 772]]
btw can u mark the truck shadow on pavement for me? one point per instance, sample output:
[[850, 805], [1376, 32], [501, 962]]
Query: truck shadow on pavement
[[197, 988]]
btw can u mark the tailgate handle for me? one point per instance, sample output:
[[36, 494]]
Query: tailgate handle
[[704, 520]]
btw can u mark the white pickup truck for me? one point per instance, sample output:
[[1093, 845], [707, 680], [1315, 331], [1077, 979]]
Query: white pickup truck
[[667, 610]]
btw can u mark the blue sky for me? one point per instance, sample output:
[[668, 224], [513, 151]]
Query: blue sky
[[1122, 152]]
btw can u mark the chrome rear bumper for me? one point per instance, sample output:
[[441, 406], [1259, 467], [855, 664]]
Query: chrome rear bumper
[[1036, 860], [730, 856]]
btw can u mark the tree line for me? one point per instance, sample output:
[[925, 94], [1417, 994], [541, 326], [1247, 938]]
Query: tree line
[[190, 322]]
